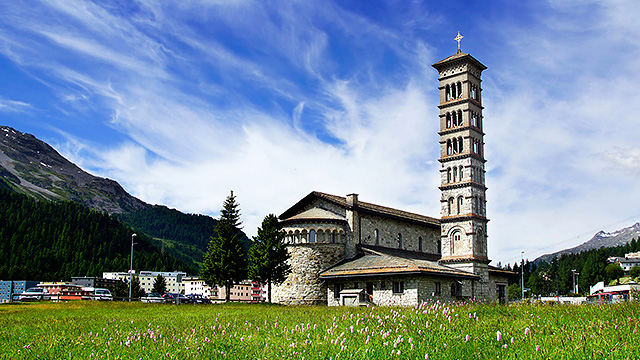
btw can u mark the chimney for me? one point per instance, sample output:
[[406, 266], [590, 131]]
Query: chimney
[[352, 199]]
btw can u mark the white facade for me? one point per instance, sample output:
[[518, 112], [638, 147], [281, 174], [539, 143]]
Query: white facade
[[173, 279]]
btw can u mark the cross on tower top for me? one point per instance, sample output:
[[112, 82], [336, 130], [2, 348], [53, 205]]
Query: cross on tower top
[[458, 39]]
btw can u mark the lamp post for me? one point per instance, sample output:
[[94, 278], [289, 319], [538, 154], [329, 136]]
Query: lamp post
[[522, 274], [131, 266], [575, 282]]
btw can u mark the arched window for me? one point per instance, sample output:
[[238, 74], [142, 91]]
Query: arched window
[[447, 93], [460, 148], [439, 249], [312, 236], [399, 241], [459, 92], [459, 117], [450, 206], [448, 117], [449, 148], [419, 243], [479, 241], [377, 235], [448, 175], [454, 116], [460, 172], [456, 242], [455, 174], [460, 204], [333, 237]]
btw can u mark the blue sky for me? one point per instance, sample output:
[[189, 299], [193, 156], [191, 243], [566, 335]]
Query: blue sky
[[181, 103]]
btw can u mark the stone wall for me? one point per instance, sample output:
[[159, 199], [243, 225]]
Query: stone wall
[[388, 230], [417, 289], [303, 286]]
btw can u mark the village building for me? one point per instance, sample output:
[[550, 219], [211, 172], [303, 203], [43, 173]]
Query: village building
[[347, 252]]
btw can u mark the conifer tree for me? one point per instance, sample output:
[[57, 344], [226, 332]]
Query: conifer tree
[[159, 285], [268, 255], [225, 262]]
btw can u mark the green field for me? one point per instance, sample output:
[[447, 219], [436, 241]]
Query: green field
[[88, 330]]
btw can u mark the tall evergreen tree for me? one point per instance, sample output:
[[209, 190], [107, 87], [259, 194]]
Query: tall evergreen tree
[[268, 255], [159, 285], [225, 262]]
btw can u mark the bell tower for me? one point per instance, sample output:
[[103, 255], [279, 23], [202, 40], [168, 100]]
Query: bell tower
[[463, 211]]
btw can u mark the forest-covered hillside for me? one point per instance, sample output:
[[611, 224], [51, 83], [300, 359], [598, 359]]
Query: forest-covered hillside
[[42, 240], [184, 235]]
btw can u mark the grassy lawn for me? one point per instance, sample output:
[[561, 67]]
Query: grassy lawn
[[88, 330]]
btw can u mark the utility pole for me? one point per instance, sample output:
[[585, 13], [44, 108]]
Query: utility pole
[[573, 277], [522, 274], [131, 266]]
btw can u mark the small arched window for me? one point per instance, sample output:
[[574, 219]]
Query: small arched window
[[439, 249], [420, 243], [312, 236], [399, 241], [447, 93], [448, 120], [377, 235], [456, 242], [460, 204], [455, 174], [449, 148], [459, 117], [460, 172], [448, 175]]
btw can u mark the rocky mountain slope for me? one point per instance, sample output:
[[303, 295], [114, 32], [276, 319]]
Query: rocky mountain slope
[[32, 167], [600, 239]]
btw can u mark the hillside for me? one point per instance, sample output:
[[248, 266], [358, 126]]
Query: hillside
[[32, 167], [600, 239], [43, 240]]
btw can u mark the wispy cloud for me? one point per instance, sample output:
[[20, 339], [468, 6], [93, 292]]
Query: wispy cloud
[[14, 106]]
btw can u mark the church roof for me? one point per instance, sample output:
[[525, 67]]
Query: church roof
[[360, 206], [459, 56], [317, 214], [378, 261]]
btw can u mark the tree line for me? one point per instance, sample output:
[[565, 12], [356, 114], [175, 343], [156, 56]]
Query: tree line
[[41, 240], [556, 276]]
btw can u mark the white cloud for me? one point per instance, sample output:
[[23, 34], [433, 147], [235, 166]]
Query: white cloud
[[14, 106]]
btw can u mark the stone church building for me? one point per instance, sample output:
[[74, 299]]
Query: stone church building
[[347, 252]]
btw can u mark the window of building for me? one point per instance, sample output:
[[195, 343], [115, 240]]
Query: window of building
[[448, 175], [460, 172], [448, 120], [377, 235], [439, 249], [398, 287], [460, 200], [399, 241], [383, 286], [355, 285], [455, 174], [337, 287], [420, 243], [312, 236], [450, 206], [438, 288]]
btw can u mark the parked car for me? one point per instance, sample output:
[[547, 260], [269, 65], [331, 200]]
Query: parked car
[[171, 298], [35, 294], [102, 294], [198, 299], [152, 298]]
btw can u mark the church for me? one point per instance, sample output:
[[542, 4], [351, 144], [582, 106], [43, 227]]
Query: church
[[345, 251]]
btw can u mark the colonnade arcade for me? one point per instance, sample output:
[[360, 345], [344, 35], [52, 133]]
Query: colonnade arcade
[[315, 234]]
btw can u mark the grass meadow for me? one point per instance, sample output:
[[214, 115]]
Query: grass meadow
[[94, 330]]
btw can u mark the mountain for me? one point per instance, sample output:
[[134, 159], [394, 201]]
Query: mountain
[[600, 239], [32, 167]]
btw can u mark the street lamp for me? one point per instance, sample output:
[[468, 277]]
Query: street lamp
[[131, 266], [575, 282], [522, 274]]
